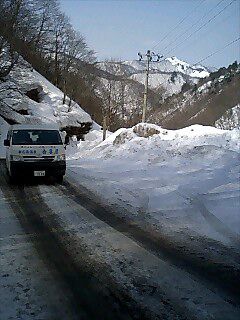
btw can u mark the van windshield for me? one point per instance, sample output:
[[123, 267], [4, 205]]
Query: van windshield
[[36, 137]]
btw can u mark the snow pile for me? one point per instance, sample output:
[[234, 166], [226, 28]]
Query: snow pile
[[182, 181], [28, 97], [93, 138], [150, 141]]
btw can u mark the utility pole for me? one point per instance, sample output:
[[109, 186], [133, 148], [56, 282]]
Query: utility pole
[[149, 58]]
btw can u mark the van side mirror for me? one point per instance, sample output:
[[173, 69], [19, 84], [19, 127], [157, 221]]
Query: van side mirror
[[6, 143]]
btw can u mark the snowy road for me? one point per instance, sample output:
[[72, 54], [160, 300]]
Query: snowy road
[[63, 256]]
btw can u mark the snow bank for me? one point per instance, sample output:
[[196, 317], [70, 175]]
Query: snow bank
[[162, 143], [182, 181]]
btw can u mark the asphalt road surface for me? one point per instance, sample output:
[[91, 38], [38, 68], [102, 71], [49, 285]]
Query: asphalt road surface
[[65, 256]]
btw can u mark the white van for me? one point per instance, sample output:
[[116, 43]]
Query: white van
[[34, 150]]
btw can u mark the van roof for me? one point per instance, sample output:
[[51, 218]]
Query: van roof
[[34, 127]]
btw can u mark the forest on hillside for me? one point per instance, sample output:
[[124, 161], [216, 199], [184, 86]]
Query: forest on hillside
[[43, 35]]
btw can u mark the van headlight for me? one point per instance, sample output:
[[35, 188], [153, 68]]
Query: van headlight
[[61, 157], [16, 158]]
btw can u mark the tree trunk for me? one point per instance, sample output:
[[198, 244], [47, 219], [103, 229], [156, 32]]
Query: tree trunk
[[104, 127], [69, 103], [64, 91]]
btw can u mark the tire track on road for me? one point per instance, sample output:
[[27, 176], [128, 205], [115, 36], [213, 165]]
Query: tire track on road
[[216, 223], [137, 267], [215, 275]]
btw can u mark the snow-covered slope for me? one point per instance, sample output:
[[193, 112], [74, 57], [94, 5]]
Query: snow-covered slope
[[169, 65], [204, 103], [27, 97], [230, 119]]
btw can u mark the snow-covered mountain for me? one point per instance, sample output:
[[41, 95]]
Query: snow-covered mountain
[[169, 74]]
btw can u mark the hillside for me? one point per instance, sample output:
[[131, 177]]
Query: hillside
[[204, 103], [27, 97], [179, 94]]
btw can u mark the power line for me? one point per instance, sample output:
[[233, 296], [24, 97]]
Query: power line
[[193, 25], [202, 26], [210, 55], [209, 30], [178, 24]]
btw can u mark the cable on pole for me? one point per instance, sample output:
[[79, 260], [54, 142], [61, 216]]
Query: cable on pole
[[193, 25], [215, 52], [209, 30]]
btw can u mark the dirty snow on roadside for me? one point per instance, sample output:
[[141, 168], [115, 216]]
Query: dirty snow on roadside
[[186, 181]]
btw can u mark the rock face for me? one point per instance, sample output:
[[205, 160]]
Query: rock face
[[145, 131], [79, 132], [27, 97], [141, 130]]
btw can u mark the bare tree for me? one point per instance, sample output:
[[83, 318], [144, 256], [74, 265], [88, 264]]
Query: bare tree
[[8, 58]]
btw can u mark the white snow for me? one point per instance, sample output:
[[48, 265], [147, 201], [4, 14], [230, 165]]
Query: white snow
[[197, 71], [49, 109], [176, 179], [204, 88], [25, 277], [230, 120], [157, 80]]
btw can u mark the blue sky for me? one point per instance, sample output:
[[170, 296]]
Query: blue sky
[[120, 29]]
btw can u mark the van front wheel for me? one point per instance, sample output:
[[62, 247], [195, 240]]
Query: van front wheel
[[59, 179], [12, 179]]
